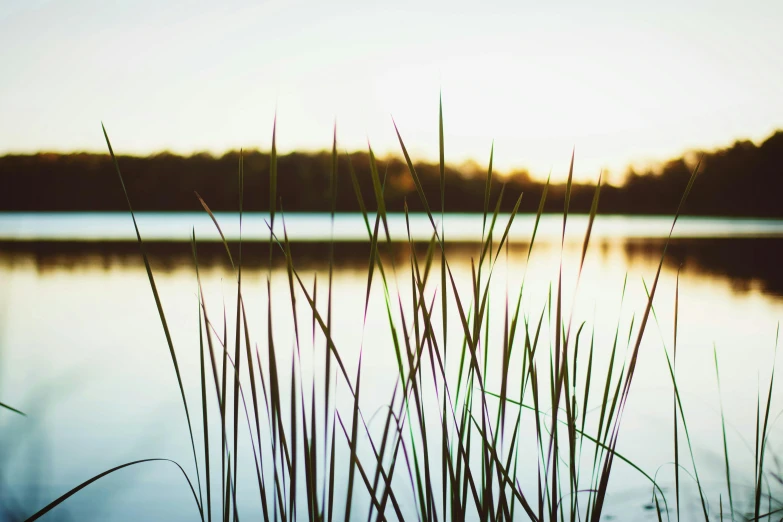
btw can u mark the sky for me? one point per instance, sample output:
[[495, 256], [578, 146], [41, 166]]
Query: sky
[[620, 82]]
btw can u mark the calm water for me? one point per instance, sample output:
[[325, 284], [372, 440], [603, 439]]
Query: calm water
[[83, 353], [116, 226]]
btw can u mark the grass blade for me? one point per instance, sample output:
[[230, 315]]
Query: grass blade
[[159, 306], [723, 428], [99, 476], [352, 442], [10, 408], [272, 187], [220, 231], [763, 435]]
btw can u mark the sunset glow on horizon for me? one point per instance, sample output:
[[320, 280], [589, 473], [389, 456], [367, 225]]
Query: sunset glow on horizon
[[623, 84]]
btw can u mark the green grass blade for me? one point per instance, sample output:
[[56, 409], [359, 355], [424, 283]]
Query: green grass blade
[[292, 506], [353, 442], [590, 438], [598, 506], [220, 231], [508, 227], [319, 319], [723, 428], [204, 416], [238, 336], [331, 478], [378, 189], [674, 406], [763, 436], [682, 416], [540, 211], [357, 190], [443, 287], [488, 188], [272, 187], [11, 408], [416, 180], [256, 416], [99, 476], [561, 346], [159, 306]]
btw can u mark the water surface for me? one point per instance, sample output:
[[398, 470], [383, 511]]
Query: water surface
[[157, 226], [83, 353]]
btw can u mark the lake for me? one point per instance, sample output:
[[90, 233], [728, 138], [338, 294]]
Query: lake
[[83, 354]]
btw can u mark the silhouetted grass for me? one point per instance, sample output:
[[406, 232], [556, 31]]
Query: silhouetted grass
[[452, 445]]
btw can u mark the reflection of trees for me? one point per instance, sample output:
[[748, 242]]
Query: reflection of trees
[[74, 255], [743, 261], [167, 256], [743, 179]]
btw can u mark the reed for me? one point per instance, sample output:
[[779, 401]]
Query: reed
[[453, 444]]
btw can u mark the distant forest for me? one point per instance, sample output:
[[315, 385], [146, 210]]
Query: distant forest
[[741, 180]]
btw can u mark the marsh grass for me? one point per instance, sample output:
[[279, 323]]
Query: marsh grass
[[453, 445]]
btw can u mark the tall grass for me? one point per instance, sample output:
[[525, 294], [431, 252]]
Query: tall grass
[[455, 445]]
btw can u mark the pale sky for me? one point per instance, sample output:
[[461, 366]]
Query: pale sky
[[621, 81]]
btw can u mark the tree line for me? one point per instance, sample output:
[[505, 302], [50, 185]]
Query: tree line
[[743, 179]]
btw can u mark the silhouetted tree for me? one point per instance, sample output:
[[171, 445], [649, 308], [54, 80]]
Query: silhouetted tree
[[741, 180]]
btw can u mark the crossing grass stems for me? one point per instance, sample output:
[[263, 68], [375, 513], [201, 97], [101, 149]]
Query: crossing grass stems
[[464, 463]]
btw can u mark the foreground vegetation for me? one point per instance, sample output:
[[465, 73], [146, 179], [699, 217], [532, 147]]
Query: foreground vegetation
[[453, 444]]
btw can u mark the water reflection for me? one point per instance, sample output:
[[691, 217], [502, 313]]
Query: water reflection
[[746, 263], [85, 310]]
